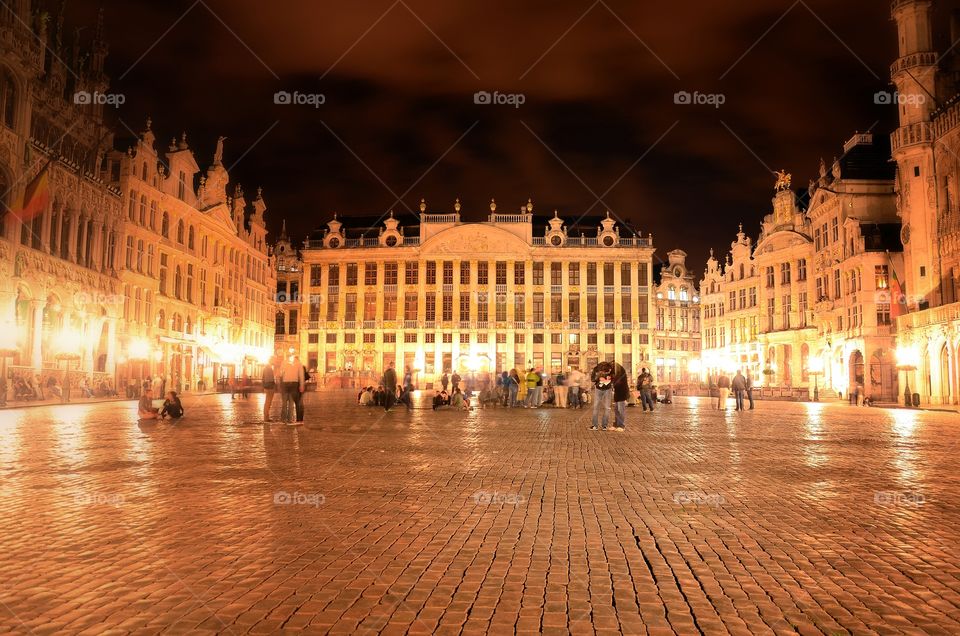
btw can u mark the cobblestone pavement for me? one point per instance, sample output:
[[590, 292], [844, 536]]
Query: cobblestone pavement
[[794, 518]]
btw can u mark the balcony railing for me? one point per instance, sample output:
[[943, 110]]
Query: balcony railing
[[556, 289], [349, 324], [483, 325], [410, 324], [591, 326], [538, 325], [313, 324], [464, 324], [390, 289], [573, 326], [519, 324], [369, 324]]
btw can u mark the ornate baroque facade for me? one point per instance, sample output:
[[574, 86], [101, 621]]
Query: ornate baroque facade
[[129, 269], [58, 270], [813, 296], [475, 297], [676, 337]]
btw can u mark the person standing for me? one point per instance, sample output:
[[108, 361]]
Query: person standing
[[504, 383], [739, 386], [602, 377], [444, 381], [532, 378], [723, 391], [389, 387], [645, 384], [299, 395], [621, 393], [513, 387], [561, 389], [292, 384], [574, 379], [455, 381], [269, 378], [750, 389]]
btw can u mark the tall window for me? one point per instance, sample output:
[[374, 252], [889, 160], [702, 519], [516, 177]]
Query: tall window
[[556, 308], [128, 258], [770, 278], [333, 276], [608, 274], [556, 273], [785, 273], [189, 289], [835, 229], [464, 272], [410, 308], [591, 273], [501, 307], [519, 275], [538, 273], [143, 210], [165, 225], [448, 272], [881, 276], [573, 273], [190, 238], [370, 274], [163, 273], [140, 256], [411, 272], [447, 307], [352, 274], [430, 307], [132, 207], [390, 307], [501, 273], [464, 307], [177, 282], [573, 306], [538, 307], [519, 307], [483, 307], [483, 273], [315, 271], [389, 273], [8, 98], [802, 269], [625, 274], [350, 308], [431, 275]]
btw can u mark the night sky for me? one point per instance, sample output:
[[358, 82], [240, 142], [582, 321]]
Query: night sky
[[598, 122]]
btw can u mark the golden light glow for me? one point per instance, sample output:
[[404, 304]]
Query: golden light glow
[[908, 357], [815, 365], [67, 343], [138, 349]]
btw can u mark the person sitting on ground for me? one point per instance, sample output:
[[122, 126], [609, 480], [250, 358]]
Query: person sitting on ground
[[172, 406], [379, 396], [489, 397], [145, 409], [366, 397], [458, 400], [441, 400], [405, 396], [53, 385]]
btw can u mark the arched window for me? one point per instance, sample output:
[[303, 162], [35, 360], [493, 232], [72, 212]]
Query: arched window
[[741, 271], [150, 260], [143, 210], [165, 226], [177, 282], [161, 320], [8, 98], [190, 238], [180, 232], [140, 256], [671, 293], [153, 215], [683, 294], [132, 212]]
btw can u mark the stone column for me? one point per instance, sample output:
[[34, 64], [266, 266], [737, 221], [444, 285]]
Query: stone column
[[36, 336], [72, 236], [96, 247]]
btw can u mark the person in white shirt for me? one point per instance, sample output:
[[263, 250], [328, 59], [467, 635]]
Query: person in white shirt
[[292, 385], [574, 380]]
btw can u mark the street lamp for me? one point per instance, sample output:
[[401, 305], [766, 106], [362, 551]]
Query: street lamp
[[8, 347], [66, 346], [815, 368], [908, 359]]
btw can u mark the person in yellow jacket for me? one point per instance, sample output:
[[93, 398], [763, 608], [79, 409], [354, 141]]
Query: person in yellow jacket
[[534, 382]]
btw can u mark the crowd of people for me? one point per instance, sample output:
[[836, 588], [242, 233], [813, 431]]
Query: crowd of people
[[26, 386], [741, 386], [289, 376]]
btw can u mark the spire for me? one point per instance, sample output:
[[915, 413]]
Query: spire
[[283, 231]]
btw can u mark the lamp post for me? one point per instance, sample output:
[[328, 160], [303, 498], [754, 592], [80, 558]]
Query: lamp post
[[66, 347], [908, 358], [815, 368]]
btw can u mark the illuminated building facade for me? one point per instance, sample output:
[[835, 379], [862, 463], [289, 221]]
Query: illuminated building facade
[[813, 296], [676, 323], [475, 297], [925, 148], [58, 268], [289, 268], [198, 282]]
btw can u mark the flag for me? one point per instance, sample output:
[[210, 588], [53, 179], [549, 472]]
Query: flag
[[36, 196], [898, 296]]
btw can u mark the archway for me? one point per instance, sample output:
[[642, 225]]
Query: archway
[[883, 377]]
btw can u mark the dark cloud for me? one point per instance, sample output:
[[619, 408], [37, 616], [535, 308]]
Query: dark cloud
[[597, 97]]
